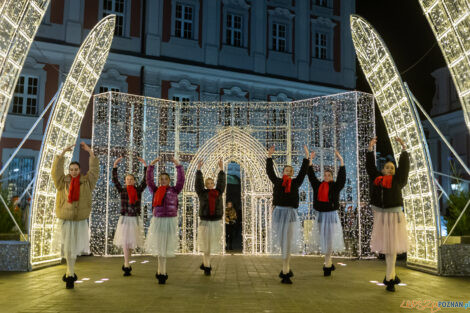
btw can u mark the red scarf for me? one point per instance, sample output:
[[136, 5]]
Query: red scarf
[[132, 194], [323, 191], [384, 181], [286, 182], [213, 194], [158, 196], [74, 189]]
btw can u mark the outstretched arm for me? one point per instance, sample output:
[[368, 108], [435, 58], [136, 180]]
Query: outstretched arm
[[199, 183], [370, 160], [57, 171], [341, 178], [143, 183], [311, 172], [403, 165], [270, 166], [150, 179], [94, 166], [179, 176]]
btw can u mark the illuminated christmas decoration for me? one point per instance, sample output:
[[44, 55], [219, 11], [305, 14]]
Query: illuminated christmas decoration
[[19, 22], [62, 131], [136, 126], [401, 120], [450, 22]]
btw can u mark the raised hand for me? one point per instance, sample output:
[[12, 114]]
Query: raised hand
[[175, 161], [142, 161], [400, 141], [306, 151], [69, 148], [340, 158], [372, 143], [271, 151], [199, 165], [155, 161], [117, 161], [312, 156], [221, 164]]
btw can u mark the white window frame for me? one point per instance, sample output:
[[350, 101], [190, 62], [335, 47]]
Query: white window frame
[[195, 19], [125, 21], [233, 30], [25, 95], [240, 8], [320, 46], [276, 38], [325, 26], [280, 16]]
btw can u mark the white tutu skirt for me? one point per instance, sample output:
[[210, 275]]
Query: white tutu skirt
[[71, 237], [286, 236], [209, 236], [389, 235], [129, 232], [162, 236], [327, 233]]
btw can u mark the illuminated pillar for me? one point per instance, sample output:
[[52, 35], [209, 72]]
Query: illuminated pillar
[[62, 131], [420, 201]]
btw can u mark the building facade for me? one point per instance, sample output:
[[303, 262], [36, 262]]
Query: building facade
[[447, 114], [185, 50]]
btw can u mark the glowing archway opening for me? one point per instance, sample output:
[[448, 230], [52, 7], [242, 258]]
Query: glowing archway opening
[[419, 195], [233, 145], [450, 23], [19, 22], [62, 131]]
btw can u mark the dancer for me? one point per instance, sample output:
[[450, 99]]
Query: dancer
[[327, 234], [389, 235], [129, 231], [162, 237], [73, 207], [230, 223], [211, 211], [285, 220]]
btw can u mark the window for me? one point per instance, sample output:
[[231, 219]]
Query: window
[[184, 21], [25, 99], [321, 3], [279, 37], [106, 89], [321, 50], [20, 173], [115, 7], [234, 30]]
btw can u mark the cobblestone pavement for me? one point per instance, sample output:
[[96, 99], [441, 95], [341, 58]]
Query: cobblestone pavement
[[238, 284]]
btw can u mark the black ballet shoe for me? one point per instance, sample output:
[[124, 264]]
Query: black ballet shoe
[[290, 274], [126, 270], [64, 278], [207, 270], [285, 278], [397, 280], [161, 278], [202, 266], [390, 284], [69, 281], [327, 270]]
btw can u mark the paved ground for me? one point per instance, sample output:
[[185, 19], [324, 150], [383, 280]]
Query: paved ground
[[238, 284]]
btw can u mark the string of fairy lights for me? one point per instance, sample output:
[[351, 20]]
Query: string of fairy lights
[[19, 22], [62, 131], [136, 126], [450, 22], [419, 195]]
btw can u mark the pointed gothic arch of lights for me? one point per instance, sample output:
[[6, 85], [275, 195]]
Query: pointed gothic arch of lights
[[62, 131], [233, 144], [420, 201], [19, 22], [450, 23]]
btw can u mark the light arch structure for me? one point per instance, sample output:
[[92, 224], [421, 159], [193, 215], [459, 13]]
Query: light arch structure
[[450, 23], [19, 22], [420, 201], [233, 144], [62, 131]]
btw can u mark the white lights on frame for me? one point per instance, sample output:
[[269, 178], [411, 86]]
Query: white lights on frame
[[62, 131], [400, 119], [450, 22], [19, 22]]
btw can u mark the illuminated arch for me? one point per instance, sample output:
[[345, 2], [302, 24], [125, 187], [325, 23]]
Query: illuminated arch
[[419, 195], [62, 131], [19, 22], [450, 22], [233, 144]]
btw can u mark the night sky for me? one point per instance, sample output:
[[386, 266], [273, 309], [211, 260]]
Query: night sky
[[408, 35]]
